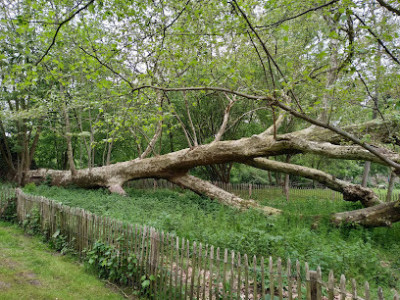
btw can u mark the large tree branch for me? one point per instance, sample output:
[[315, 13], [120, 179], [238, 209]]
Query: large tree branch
[[214, 153], [206, 188], [379, 215], [174, 166], [343, 133], [273, 101], [351, 192], [379, 131]]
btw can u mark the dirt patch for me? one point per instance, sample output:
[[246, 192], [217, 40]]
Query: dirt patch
[[35, 282], [9, 263], [29, 277], [4, 285]]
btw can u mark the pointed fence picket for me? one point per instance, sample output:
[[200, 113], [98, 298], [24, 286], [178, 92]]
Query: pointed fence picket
[[179, 269]]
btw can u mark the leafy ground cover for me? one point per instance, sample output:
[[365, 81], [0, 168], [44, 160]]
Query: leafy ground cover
[[28, 270], [360, 253]]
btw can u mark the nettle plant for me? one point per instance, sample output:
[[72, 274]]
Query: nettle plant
[[107, 261], [31, 223]]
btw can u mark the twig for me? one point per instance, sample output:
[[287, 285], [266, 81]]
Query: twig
[[59, 27], [389, 7], [298, 15], [378, 39], [267, 52]]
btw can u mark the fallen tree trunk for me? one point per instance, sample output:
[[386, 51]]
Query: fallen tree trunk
[[351, 192], [379, 215], [175, 166], [168, 165], [203, 187]]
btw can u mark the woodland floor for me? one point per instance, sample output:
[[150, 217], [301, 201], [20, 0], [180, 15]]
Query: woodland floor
[[360, 253], [28, 270]]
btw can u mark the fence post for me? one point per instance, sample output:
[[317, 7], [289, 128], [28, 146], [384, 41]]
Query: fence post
[[250, 190], [313, 285]]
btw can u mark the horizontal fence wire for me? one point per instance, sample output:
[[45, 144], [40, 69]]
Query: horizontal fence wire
[[182, 269]]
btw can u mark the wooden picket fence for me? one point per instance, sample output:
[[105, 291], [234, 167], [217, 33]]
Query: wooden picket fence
[[249, 189], [186, 270], [7, 196]]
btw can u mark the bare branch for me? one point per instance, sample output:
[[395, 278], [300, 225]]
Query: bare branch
[[272, 129], [222, 129], [267, 52], [389, 7], [59, 27], [259, 57], [378, 39], [70, 152], [298, 15], [154, 139], [190, 120], [109, 68], [243, 115]]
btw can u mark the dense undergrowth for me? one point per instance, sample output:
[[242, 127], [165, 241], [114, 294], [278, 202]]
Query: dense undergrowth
[[360, 253]]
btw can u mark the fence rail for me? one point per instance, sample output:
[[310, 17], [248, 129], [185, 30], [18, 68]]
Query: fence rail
[[249, 189], [186, 270]]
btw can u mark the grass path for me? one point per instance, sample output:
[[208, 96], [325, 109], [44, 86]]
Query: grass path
[[28, 270]]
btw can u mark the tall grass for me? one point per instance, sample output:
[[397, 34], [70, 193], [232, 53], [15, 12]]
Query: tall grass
[[364, 254]]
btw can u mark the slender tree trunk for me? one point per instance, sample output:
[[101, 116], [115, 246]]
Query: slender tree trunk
[[375, 98], [392, 179], [287, 181], [270, 178], [110, 146], [332, 74], [367, 167], [68, 137]]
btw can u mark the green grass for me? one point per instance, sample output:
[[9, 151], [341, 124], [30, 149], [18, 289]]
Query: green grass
[[29, 271], [363, 254]]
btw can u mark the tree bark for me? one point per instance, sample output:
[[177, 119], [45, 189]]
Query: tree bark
[[206, 188], [351, 192], [367, 167], [286, 183], [68, 138], [379, 215], [392, 179]]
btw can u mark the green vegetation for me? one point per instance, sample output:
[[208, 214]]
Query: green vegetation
[[28, 270], [99, 93], [365, 254]]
